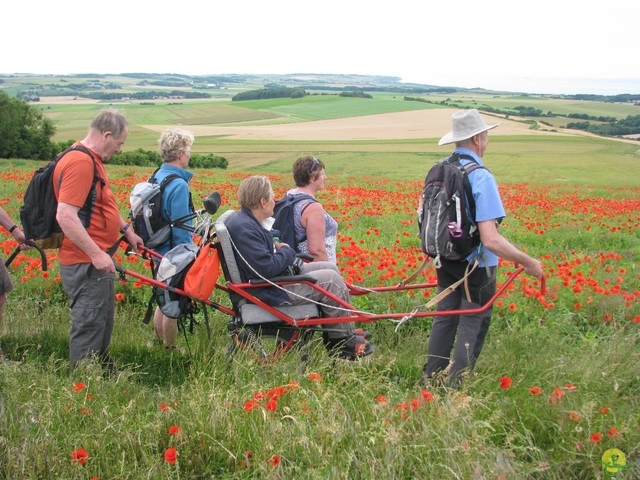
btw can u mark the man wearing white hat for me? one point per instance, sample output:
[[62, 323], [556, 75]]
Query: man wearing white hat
[[470, 135]]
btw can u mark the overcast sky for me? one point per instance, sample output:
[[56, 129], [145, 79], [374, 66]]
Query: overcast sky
[[546, 46]]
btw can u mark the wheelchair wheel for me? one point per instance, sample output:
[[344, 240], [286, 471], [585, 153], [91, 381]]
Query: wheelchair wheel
[[266, 343]]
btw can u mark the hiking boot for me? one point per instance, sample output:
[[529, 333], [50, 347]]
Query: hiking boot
[[350, 348], [109, 367]]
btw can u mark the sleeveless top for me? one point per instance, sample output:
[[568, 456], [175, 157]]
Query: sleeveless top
[[330, 231]]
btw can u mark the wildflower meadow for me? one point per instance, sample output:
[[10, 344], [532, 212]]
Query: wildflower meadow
[[556, 387]]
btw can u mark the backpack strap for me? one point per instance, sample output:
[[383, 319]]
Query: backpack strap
[[152, 178], [163, 184], [466, 170], [86, 151], [86, 210], [300, 198]]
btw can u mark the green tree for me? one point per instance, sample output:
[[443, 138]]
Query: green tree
[[24, 132]]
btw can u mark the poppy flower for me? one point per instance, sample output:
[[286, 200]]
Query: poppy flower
[[272, 405], [174, 430], [164, 407], [556, 395], [119, 297], [275, 461], [382, 399], [574, 416], [259, 395], [79, 456], [595, 437], [612, 432], [78, 387], [604, 410], [250, 405], [505, 382], [170, 455], [315, 377], [427, 396], [276, 393], [537, 391]]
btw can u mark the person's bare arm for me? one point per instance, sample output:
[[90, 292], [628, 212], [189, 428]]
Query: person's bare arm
[[72, 228], [314, 223], [132, 238], [7, 222], [496, 243]]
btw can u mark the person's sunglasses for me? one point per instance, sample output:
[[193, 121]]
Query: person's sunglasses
[[314, 163]]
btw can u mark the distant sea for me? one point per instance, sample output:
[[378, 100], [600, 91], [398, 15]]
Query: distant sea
[[567, 86]]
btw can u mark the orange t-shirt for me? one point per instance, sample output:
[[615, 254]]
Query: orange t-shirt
[[73, 178]]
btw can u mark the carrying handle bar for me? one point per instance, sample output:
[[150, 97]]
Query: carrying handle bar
[[30, 243]]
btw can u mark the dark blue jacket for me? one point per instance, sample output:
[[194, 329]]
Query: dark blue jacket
[[255, 245]]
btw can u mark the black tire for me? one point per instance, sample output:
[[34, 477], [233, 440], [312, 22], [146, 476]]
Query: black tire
[[264, 342]]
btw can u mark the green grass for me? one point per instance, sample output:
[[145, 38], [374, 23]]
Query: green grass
[[326, 107], [336, 428], [571, 201]]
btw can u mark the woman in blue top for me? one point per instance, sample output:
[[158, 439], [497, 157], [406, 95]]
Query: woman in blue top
[[316, 230], [175, 150]]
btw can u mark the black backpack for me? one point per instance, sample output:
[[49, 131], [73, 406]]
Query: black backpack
[[283, 213], [146, 211], [38, 212], [446, 231]]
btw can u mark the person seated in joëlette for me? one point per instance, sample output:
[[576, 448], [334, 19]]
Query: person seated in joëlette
[[259, 256]]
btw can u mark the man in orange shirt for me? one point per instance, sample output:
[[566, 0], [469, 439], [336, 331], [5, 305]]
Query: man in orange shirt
[[91, 222]]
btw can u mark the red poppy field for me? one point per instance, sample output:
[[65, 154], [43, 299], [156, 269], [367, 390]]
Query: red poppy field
[[556, 387]]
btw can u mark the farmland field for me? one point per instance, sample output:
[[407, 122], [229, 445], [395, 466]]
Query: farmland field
[[570, 355]]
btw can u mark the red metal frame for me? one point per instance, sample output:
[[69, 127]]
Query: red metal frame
[[244, 290]]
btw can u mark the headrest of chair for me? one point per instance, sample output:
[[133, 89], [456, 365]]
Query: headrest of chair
[[228, 256], [224, 218]]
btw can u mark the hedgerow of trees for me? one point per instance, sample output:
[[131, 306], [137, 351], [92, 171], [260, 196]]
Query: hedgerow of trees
[[24, 131], [626, 126], [355, 93], [584, 116], [150, 95], [148, 158], [279, 92]]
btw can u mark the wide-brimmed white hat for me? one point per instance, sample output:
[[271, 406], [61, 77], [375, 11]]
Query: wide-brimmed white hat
[[466, 124]]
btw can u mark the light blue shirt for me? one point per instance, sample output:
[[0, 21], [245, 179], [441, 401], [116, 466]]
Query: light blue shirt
[[488, 202]]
